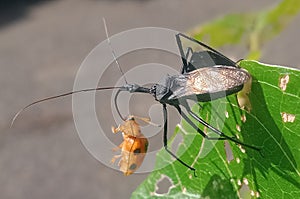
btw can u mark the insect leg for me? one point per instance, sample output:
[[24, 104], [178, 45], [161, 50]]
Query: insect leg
[[165, 112], [186, 69], [118, 147], [147, 120], [205, 46], [188, 51], [221, 133], [113, 160], [186, 118], [183, 56]]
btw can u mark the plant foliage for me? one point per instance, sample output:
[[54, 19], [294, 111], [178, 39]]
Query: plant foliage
[[272, 123]]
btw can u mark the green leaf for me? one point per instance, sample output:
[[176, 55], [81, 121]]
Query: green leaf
[[273, 124]]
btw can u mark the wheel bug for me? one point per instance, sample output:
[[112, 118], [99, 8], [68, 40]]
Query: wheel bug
[[205, 75]]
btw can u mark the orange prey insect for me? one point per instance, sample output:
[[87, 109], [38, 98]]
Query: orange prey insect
[[134, 147]]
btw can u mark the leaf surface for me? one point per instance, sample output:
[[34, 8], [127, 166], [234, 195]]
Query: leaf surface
[[272, 124]]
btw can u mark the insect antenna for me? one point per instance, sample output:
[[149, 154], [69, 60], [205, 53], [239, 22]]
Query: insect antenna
[[115, 59], [58, 96], [112, 50], [84, 90]]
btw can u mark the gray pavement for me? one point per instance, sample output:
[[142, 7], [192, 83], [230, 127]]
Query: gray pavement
[[41, 48]]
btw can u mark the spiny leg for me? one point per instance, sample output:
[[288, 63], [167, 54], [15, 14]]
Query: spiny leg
[[165, 140]]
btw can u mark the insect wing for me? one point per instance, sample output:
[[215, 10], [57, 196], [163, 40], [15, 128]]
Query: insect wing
[[211, 83]]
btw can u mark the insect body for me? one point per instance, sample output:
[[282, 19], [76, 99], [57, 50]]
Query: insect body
[[205, 75], [133, 148]]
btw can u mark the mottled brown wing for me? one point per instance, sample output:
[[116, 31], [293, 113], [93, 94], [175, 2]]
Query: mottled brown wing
[[211, 80]]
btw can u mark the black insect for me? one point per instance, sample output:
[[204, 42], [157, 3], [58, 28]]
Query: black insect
[[205, 75]]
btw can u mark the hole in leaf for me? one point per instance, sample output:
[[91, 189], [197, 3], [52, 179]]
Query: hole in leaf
[[257, 194], [176, 142], [283, 81], [245, 181], [228, 151], [287, 117], [226, 114], [239, 182], [245, 191], [242, 149], [243, 118], [238, 127], [163, 185]]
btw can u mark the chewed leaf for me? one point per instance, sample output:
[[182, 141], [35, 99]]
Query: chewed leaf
[[273, 124]]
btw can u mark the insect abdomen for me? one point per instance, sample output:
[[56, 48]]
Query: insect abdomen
[[133, 153]]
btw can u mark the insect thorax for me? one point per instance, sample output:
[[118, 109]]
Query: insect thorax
[[167, 86]]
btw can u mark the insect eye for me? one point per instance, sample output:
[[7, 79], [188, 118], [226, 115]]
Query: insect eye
[[137, 151], [132, 167]]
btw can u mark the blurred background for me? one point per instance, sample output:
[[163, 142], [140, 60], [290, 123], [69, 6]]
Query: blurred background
[[42, 44]]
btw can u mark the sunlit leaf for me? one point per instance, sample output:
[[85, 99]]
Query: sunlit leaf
[[272, 124]]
